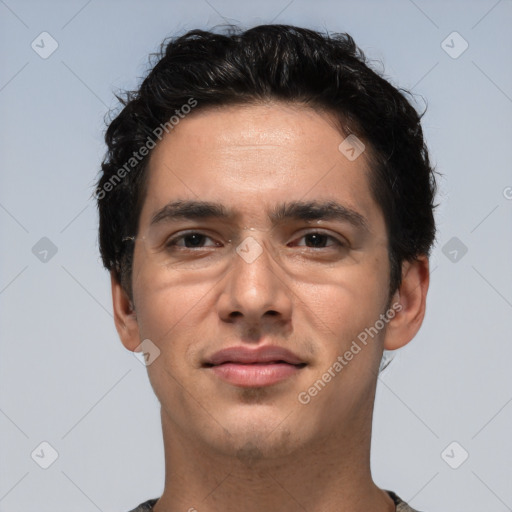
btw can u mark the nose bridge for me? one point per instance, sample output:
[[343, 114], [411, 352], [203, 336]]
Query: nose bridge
[[254, 286], [252, 271]]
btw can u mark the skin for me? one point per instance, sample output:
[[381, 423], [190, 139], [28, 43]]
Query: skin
[[227, 447]]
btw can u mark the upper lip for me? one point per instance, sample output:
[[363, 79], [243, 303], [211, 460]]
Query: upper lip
[[245, 355]]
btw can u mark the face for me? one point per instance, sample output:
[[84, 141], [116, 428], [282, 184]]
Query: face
[[261, 258]]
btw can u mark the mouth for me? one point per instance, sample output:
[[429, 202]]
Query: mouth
[[260, 367]]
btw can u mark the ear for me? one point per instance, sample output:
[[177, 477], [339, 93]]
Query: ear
[[408, 303], [125, 317]]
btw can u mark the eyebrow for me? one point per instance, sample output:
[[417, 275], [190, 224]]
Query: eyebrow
[[294, 210]]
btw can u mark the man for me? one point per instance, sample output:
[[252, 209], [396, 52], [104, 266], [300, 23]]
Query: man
[[266, 214]]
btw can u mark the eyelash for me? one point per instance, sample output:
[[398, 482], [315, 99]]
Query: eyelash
[[172, 242]]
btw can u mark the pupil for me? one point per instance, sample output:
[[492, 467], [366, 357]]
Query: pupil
[[197, 239], [317, 239]]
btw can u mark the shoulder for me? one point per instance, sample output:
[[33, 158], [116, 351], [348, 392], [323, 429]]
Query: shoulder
[[147, 506], [401, 505]]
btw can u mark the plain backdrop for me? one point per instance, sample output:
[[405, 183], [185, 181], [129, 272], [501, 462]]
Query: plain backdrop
[[66, 380]]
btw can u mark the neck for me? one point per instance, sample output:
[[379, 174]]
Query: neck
[[331, 475]]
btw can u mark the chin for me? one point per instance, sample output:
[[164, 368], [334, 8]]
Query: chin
[[253, 435], [256, 448]]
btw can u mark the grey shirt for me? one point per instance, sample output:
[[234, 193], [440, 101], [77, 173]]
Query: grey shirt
[[401, 506]]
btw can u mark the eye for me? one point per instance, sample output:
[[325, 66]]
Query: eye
[[197, 240], [318, 240], [190, 240]]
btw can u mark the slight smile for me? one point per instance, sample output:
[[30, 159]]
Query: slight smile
[[264, 366]]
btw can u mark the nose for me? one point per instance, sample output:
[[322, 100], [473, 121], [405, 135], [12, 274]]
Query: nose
[[255, 291]]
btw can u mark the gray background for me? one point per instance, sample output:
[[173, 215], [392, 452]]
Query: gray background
[[65, 377]]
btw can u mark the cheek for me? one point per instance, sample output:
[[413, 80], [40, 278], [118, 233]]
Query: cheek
[[352, 301], [164, 311], [171, 317]]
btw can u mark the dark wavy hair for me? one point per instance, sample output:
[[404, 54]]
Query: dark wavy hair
[[272, 62]]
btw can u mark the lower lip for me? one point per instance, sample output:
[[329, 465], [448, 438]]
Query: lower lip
[[255, 375]]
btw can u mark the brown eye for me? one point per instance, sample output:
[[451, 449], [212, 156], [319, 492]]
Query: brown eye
[[190, 240], [319, 240]]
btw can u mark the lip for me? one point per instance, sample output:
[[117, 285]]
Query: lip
[[263, 366], [245, 355]]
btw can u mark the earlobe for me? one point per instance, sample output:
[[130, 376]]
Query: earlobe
[[409, 303], [125, 317]]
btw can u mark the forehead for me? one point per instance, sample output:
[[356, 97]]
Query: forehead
[[257, 154], [281, 126]]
